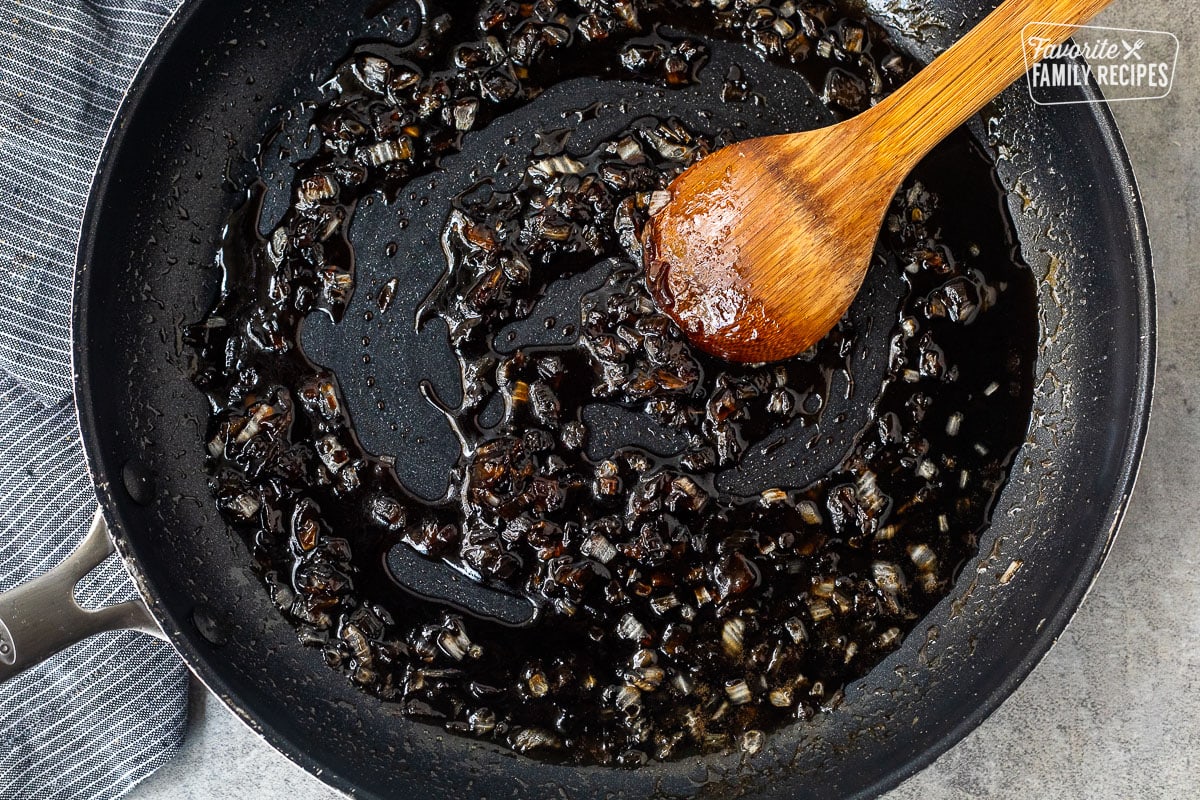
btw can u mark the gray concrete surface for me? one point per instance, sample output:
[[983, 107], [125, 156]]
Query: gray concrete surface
[[1113, 712]]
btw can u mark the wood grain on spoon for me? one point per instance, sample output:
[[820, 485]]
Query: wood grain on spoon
[[763, 245]]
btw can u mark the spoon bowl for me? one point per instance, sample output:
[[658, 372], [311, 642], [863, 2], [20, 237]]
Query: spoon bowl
[[756, 256]]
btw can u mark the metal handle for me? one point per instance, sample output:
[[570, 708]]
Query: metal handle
[[39, 618]]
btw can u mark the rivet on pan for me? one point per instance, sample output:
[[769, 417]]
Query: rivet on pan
[[211, 628], [138, 482]]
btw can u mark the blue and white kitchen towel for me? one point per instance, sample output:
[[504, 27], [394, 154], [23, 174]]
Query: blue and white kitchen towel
[[95, 720]]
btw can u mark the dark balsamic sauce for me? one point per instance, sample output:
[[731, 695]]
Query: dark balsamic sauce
[[673, 614]]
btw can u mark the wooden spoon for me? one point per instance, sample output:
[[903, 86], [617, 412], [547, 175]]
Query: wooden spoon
[[763, 244]]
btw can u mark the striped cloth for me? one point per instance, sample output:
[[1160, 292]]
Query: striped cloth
[[95, 720]]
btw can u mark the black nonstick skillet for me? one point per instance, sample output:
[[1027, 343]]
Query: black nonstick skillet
[[176, 159]]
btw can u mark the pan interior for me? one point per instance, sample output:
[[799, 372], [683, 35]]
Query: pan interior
[[708, 498]]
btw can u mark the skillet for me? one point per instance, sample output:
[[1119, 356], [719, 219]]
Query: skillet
[[190, 125]]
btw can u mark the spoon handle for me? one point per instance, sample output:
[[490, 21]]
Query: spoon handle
[[979, 66]]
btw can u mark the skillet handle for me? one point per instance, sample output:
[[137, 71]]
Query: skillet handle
[[39, 618]]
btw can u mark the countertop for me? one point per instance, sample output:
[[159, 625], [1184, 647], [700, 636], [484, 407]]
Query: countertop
[[1113, 712]]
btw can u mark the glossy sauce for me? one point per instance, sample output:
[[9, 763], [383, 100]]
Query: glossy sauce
[[674, 616]]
